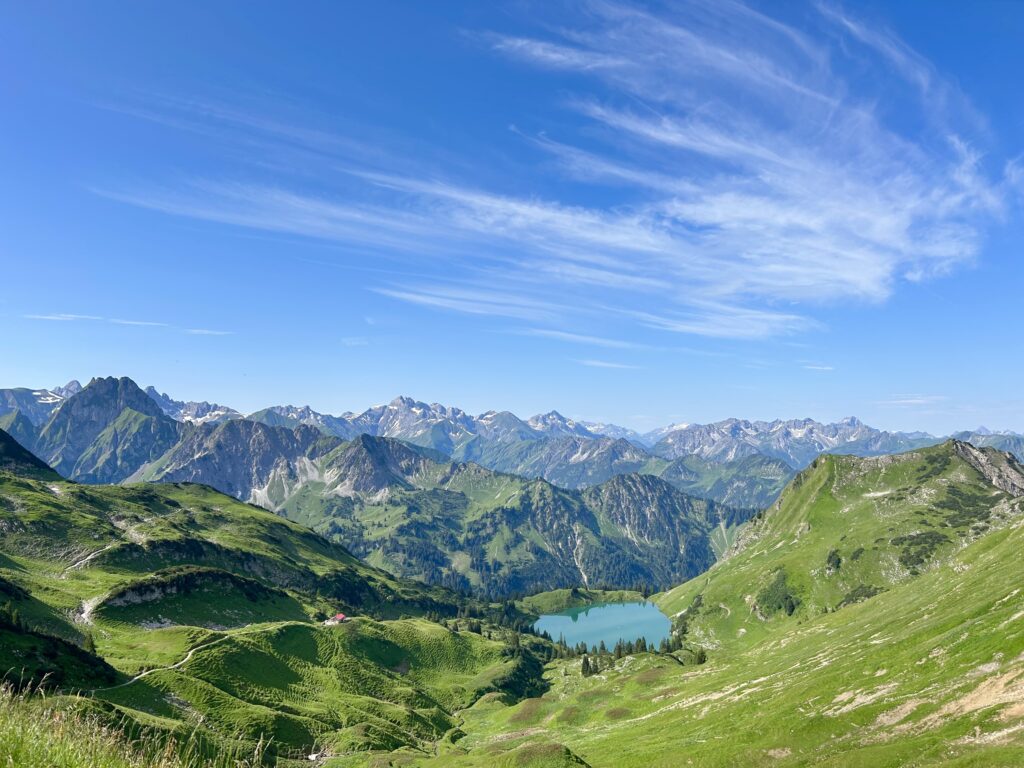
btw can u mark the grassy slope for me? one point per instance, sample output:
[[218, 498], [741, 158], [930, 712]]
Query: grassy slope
[[76, 543], [78, 562], [35, 732], [364, 684], [929, 672]]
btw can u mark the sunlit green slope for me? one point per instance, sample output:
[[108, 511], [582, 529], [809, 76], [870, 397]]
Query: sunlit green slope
[[179, 609], [813, 669]]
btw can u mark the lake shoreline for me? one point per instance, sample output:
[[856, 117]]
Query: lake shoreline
[[608, 623]]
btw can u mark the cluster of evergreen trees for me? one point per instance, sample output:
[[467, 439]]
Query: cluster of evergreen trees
[[600, 658], [473, 617]]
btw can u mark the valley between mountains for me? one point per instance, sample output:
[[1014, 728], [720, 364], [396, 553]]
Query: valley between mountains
[[838, 595]]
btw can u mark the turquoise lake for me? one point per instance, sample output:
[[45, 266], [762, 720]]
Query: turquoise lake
[[609, 622]]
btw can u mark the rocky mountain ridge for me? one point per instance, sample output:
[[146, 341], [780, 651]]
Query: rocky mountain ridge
[[570, 453], [416, 513]]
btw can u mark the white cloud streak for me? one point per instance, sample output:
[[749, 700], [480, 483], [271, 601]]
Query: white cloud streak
[[473, 301], [68, 317], [119, 321], [62, 317], [579, 338], [606, 364], [912, 401]]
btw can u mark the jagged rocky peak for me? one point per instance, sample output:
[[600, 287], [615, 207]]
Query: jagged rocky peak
[[196, 412], [73, 387], [112, 394], [612, 430], [37, 405], [554, 424], [104, 432]]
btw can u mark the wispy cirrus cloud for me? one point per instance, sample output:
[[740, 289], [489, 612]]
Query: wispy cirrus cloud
[[606, 364], [739, 173], [149, 323], [578, 338], [916, 400], [69, 317], [207, 332], [473, 301], [62, 317]]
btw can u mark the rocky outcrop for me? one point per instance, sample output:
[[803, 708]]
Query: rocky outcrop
[[1000, 469]]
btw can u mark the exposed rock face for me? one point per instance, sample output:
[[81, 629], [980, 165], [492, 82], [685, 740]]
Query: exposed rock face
[[238, 456], [73, 387], [371, 464], [652, 515], [1001, 441], [1000, 469], [751, 482], [509, 534], [289, 416], [131, 441], [434, 426], [554, 424], [18, 426]]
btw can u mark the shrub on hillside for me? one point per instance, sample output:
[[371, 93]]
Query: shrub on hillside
[[777, 596]]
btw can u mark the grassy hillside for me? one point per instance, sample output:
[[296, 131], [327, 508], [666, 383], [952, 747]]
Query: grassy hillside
[[40, 732], [928, 671], [177, 609], [848, 528]]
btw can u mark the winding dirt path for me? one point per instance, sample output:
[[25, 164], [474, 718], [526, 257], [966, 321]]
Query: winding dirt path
[[184, 660], [188, 656]]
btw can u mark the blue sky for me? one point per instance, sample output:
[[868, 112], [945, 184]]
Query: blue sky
[[639, 213]]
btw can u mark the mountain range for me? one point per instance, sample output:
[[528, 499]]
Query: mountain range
[[403, 507], [492, 504], [416, 513], [564, 451]]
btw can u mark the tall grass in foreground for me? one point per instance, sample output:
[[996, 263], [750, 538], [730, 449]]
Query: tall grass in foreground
[[37, 733]]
